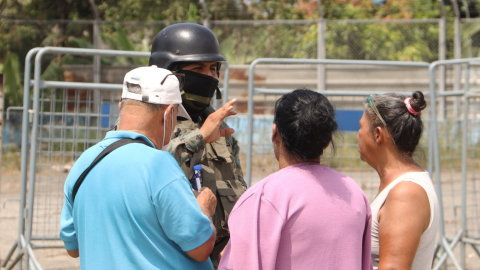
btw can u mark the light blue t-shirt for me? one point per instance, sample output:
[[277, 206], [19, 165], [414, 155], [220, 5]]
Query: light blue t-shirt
[[134, 210]]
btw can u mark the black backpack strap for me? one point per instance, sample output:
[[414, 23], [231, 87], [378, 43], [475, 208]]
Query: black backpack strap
[[103, 154]]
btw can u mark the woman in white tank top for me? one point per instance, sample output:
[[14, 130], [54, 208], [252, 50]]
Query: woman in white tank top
[[405, 213]]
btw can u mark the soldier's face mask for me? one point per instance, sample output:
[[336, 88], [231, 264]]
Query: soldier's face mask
[[198, 90]]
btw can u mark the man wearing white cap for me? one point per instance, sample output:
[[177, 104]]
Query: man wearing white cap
[[129, 205]]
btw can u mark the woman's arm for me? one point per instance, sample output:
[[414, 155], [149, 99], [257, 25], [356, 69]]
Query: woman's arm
[[402, 220]]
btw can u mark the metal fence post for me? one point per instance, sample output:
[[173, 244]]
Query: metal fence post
[[462, 236], [24, 157], [464, 164], [436, 163], [442, 48], [457, 51], [321, 52], [96, 58]]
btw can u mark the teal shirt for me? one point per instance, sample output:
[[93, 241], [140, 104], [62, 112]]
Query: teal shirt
[[134, 210]]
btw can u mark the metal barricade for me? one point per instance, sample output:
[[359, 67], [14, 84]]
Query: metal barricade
[[452, 158], [68, 118], [456, 147], [260, 105]]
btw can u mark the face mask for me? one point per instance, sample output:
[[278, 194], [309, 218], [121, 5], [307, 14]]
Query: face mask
[[165, 146], [198, 90]]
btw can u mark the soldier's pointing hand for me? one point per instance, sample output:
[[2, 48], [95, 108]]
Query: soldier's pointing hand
[[211, 127]]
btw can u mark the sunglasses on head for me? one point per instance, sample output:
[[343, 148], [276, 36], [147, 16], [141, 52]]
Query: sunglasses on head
[[371, 103], [374, 108]]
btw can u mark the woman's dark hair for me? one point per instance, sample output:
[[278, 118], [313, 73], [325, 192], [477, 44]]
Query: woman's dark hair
[[306, 122], [404, 127]]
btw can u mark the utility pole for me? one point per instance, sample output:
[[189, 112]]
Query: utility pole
[[96, 59], [206, 21], [321, 52], [457, 54], [442, 44]]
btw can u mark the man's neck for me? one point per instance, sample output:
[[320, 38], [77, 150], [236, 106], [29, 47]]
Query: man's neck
[[143, 123]]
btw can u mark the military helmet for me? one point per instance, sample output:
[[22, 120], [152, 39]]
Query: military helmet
[[184, 42]]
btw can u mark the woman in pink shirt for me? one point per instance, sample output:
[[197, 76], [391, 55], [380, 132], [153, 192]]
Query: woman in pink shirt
[[306, 215]]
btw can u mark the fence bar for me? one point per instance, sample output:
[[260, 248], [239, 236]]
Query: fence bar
[[81, 85], [33, 261], [329, 93], [93, 52], [471, 241], [24, 148], [290, 22], [219, 22], [445, 254], [38, 246], [17, 259], [226, 77], [435, 151], [442, 47], [9, 254], [464, 164]]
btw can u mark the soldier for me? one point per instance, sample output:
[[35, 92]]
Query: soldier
[[204, 140]]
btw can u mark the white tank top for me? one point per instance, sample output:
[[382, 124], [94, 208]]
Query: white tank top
[[424, 256]]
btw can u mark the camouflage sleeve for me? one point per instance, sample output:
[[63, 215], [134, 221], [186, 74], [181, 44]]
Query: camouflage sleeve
[[184, 146], [236, 155]]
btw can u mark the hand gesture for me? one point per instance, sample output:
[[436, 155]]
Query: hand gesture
[[211, 127]]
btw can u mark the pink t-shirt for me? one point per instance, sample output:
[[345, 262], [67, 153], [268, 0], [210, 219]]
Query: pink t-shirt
[[305, 216]]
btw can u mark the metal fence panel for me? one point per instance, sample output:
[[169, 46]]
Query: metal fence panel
[[456, 146], [60, 121], [67, 126], [262, 96], [70, 117]]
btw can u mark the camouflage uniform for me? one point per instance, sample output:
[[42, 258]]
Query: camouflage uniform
[[221, 171]]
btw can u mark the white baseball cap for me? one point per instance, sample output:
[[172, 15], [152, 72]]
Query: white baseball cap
[[157, 86]]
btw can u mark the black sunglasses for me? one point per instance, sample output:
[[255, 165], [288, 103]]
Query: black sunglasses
[[180, 78]]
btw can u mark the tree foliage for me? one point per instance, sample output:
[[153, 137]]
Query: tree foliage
[[132, 25]]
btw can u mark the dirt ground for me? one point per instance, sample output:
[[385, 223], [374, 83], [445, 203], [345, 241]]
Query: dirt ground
[[57, 258], [53, 258]]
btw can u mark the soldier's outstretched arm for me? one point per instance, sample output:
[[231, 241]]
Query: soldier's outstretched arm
[[183, 147], [236, 156], [211, 130]]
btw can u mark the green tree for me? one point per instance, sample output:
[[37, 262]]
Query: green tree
[[132, 25]]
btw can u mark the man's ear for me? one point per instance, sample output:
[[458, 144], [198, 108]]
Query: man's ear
[[168, 112]]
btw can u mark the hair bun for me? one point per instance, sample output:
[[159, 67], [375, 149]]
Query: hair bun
[[418, 102]]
